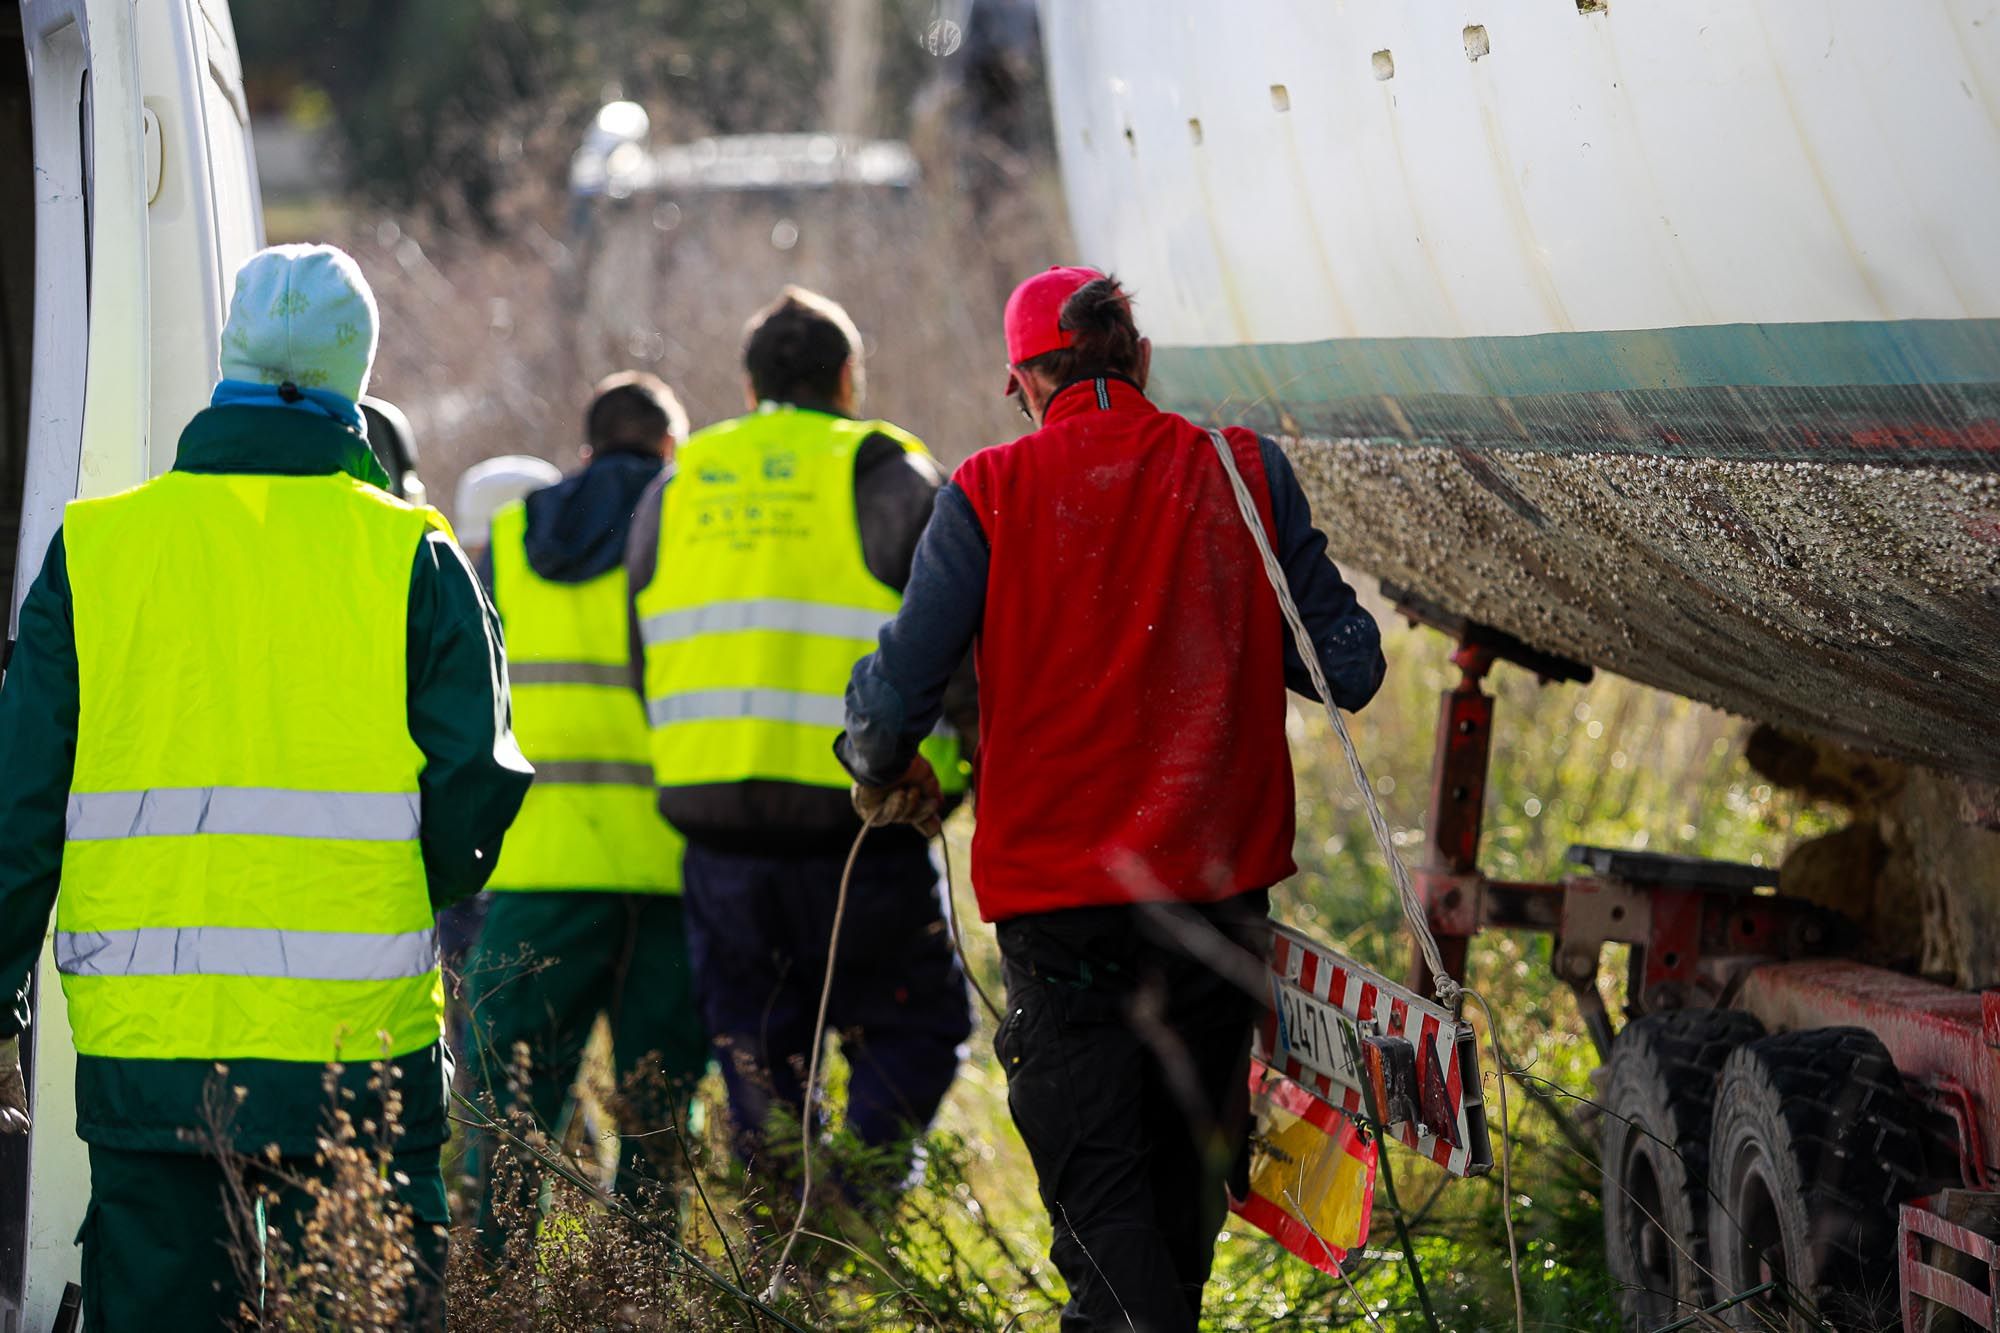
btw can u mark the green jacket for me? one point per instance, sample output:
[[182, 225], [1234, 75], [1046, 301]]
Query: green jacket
[[472, 783]]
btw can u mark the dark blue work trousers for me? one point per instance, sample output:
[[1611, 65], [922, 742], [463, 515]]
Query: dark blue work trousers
[[758, 929]]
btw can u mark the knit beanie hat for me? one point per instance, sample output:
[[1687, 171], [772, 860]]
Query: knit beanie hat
[[302, 314]]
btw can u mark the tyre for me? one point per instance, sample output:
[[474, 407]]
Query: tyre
[[1816, 1142], [1659, 1099]]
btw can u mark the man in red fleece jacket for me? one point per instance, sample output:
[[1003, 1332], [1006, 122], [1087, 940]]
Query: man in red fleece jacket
[[1135, 790]]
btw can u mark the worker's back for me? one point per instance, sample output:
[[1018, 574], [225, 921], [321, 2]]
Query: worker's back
[[761, 571], [1131, 670], [764, 603], [256, 725], [1132, 676], [589, 822], [243, 877], [584, 920]]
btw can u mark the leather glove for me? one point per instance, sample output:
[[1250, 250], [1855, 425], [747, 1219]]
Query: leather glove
[[13, 1090], [913, 798]]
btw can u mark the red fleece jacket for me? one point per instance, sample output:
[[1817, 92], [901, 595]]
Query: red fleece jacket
[[1131, 665]]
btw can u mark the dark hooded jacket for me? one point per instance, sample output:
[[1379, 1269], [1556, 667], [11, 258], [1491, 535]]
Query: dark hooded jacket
[[577, 527]]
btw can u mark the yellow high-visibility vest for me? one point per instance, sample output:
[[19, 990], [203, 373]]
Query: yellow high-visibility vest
[[242, 877], [763, 603], [590, 821]]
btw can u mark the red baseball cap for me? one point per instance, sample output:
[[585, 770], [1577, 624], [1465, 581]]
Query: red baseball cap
[[1034, 314]]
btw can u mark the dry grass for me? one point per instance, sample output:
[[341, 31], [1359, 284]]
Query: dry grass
[[348, 1260], [694, 1252], [490, 344], [573, 1261]]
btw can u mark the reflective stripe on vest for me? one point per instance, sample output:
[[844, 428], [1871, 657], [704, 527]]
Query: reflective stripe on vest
[[241, 951], [594, 773], [243, 876], [258, 811], [763, 604], [591, 821], [838, 622], [813, 710], [615, 675]]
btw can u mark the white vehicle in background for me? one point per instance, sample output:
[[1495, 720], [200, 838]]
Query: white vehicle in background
[[128, 197]]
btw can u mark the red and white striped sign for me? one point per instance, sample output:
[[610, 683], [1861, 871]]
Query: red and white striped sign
[[1323, 1007]]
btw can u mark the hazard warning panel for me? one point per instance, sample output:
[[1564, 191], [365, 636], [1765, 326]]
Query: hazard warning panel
[[1312, 1172], [1371, 1047]]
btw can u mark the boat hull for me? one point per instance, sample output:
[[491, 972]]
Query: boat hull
[[1664, 336]]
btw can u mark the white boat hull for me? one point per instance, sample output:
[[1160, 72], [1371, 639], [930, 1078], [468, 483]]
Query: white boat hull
[[1664, 335]]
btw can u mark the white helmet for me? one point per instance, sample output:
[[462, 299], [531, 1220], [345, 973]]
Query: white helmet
[[485, 486]]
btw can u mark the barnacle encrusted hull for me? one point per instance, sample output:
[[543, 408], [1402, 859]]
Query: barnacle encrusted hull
[[1843, 599]]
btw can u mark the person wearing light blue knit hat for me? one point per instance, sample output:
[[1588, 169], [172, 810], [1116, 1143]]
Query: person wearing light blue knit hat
[[296, 748], [301, 333]]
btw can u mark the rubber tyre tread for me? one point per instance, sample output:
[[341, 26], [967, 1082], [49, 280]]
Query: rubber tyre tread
[[1841, 1135], [1659, 1101]]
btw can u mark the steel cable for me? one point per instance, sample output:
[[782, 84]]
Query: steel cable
[[1445, 985]]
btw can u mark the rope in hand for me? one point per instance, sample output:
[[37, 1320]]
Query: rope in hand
[[1449, 992], [819, 1029], [812, 1067]]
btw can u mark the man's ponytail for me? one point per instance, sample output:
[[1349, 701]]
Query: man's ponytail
[[1106, 341]]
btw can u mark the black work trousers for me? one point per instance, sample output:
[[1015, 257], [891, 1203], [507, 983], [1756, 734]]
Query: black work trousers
[[1127, 1052]]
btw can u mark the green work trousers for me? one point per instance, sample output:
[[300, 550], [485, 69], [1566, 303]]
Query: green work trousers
[[159, 1252], [544, 967]]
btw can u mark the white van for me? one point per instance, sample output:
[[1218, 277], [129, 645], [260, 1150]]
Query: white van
[[128, 197]]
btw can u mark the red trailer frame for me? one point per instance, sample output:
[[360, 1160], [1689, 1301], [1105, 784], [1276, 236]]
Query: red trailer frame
[[1706, 934]]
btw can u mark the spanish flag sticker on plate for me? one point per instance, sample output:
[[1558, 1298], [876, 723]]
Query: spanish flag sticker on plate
[[1312, 1173]]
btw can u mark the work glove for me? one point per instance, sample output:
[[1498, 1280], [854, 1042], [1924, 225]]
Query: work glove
[[913, 798], [13, 1090]]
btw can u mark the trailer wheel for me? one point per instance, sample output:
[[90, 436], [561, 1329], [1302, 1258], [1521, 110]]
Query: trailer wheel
[[1816, 1142], [1658, 1102]]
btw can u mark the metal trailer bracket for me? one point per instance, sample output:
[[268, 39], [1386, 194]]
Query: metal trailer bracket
[[1944, 1276]]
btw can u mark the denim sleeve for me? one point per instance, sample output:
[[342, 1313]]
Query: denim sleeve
[[897, 692], [895, 494], [1342, 631]]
